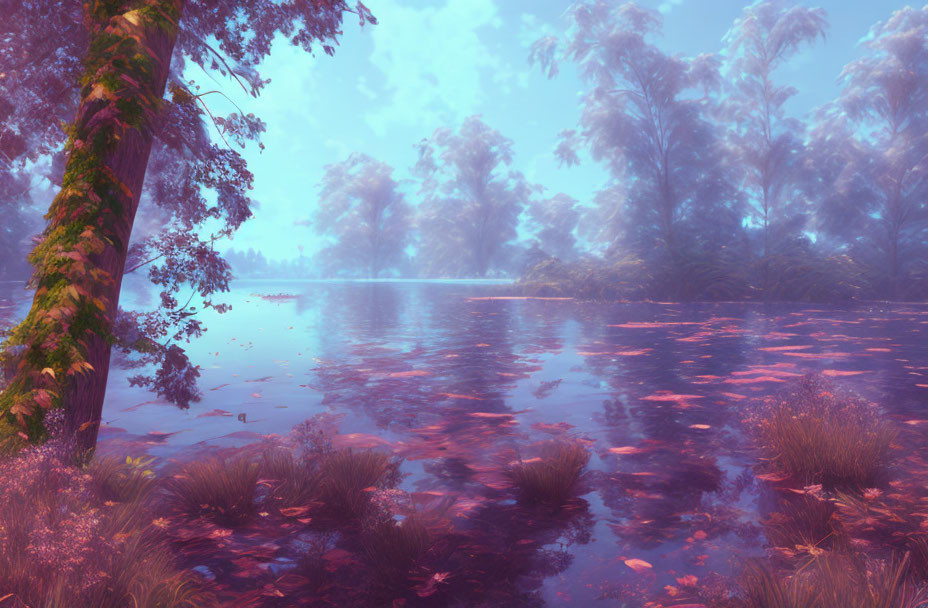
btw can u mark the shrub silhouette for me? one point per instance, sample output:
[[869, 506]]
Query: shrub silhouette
[[551, 478], [217, 489], [819, 437], [348, 479]]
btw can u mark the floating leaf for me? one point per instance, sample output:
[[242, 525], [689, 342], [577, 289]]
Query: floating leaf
[[638, 565]]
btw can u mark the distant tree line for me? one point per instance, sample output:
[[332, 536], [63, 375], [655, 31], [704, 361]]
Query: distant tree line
[[714, 190]]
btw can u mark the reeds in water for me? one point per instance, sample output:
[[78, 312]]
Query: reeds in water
[[551, 478], [819, 437], [221, 490]]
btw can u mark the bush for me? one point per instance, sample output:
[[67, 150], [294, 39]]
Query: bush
[[809, 277], [588, 279], [713, 276], [292, 483], [551, 478], [723, 273], [803, 526], [392, 549], [62, 544], [818, 437], [120, 480], [348, 479], [218, 489], [832, 581], [143, 573]]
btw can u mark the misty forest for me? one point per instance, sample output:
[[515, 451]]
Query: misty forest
[[463, 303]]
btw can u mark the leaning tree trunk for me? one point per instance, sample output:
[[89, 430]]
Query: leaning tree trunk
[[61, 351]]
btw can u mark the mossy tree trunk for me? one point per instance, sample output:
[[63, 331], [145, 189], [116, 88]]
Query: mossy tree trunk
[[60, 353]]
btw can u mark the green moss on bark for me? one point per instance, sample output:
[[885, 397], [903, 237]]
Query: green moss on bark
[[49, 348]]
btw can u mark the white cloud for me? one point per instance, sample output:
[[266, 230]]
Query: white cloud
[[669, 5], [433, 61]]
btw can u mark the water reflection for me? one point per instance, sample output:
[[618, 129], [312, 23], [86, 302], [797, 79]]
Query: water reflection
[[460, 385]]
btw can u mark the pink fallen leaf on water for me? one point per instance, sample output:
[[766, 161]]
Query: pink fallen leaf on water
[[774, 477], [638, 565], [689, 580], [627, 449], [735, 396], [159, 436], [485, 298], [914, 422], [668, 396], [552, 428], [220, 533], [216, 412], [256, 395], [337, 558], [430, 586], [137, 406], [410, 374], [879, 350], [774, 349], [294, 511], [700, 426], [489, 415], [358, 440], [839, 372], [459, 396], [651, 325], [753, 380], [777, 369]]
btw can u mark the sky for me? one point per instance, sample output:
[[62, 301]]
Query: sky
[[432, 63]]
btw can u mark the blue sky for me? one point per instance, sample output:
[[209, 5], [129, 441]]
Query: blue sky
[[431, 63]]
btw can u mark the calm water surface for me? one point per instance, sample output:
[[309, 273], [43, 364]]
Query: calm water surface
[[460, 385]]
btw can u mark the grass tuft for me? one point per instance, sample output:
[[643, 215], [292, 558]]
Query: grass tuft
[[63, 545], [291, 482], [551, 478], [393, 548], [348, 479], [804, 526], [819, 437], [218, 489], [121, 480], [143, 573], [833, 581]]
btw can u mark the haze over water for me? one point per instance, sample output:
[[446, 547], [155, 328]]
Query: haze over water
[[460, 383]]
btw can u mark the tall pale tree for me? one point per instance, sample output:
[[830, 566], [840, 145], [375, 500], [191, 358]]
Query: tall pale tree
[[643, 117], [765, 144], [112, 66], [471, 200], [363, 212], [554, 221], [875, 198]]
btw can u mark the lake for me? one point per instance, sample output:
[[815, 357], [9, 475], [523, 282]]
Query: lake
[[459, 383]]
